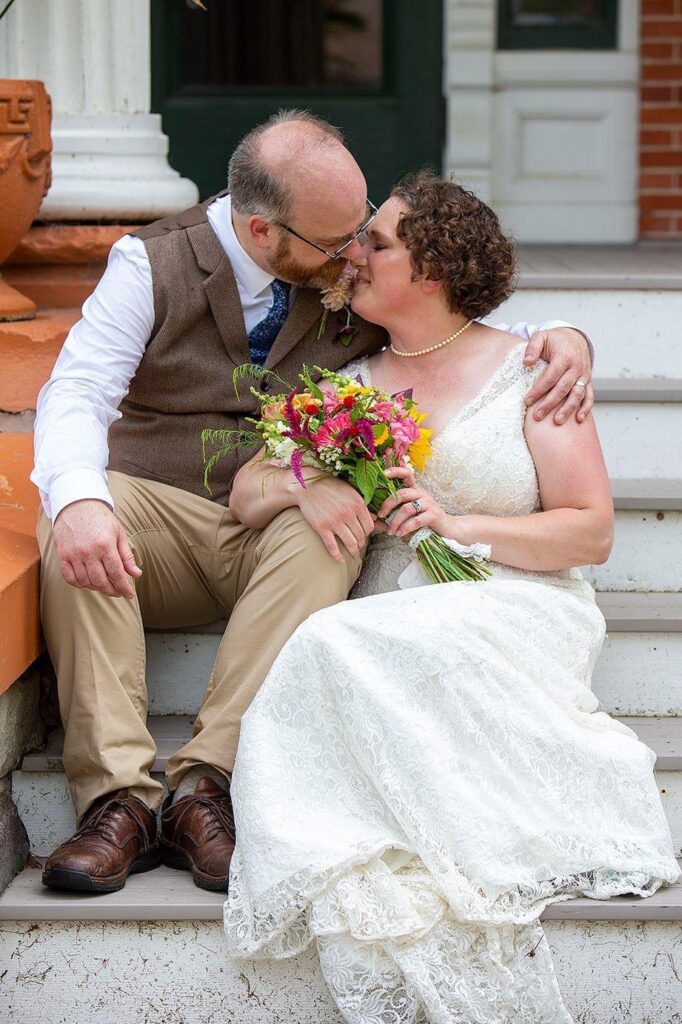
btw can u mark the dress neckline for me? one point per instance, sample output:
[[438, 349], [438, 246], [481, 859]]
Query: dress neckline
[[477, 401]]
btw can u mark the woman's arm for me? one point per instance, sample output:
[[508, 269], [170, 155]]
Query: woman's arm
[[576, 524]]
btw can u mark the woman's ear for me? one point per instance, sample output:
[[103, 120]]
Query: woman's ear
[[430, 287]]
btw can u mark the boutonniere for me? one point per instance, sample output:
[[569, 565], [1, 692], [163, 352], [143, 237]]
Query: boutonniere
[[338, 297]]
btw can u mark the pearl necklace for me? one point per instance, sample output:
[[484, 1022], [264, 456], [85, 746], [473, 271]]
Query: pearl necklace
[[425, 351]]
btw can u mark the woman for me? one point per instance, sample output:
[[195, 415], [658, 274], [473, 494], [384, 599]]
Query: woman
[[424, 770]]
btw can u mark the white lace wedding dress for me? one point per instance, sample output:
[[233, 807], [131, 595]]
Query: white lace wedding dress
[[424, 770]]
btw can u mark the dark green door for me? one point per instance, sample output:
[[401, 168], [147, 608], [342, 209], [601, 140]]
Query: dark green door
[[372, 67]]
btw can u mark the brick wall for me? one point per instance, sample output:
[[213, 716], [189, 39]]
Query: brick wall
[[661, 120]]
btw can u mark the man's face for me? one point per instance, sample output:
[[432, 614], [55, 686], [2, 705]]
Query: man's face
[[325, 221]]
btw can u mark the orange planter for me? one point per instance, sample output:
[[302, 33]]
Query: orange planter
[[25, 148]]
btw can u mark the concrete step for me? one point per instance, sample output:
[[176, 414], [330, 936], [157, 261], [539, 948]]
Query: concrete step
[[638, 673], [627, 298], [40, 789], [647, 550], [155, 952], [164, 894], [641, 439]]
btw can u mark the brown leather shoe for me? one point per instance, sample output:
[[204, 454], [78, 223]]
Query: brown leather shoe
[[197, 834], [117, 838]]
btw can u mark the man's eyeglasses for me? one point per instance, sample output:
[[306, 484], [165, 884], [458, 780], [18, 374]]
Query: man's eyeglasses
[[372, 212]]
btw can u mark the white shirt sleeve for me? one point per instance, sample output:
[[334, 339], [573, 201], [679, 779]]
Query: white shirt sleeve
[[523, 330], [90, 378]]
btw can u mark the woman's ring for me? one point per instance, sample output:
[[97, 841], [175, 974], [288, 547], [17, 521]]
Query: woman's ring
[[580, 384], [417, 505]]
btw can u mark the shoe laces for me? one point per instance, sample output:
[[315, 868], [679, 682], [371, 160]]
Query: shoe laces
[[220, 816], [102, 821]]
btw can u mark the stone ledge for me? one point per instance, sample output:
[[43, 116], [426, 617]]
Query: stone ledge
[[68, 243], [28, 351], [15, 848], [20, 636], [21, 727]]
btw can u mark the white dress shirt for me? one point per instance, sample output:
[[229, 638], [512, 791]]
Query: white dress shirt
[[101, 355]]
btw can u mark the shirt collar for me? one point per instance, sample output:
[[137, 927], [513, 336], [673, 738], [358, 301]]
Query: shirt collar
[[251, 278]]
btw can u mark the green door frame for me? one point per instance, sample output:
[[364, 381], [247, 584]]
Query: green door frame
[[391, 131]]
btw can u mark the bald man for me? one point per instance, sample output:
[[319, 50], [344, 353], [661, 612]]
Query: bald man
[[128, 535]]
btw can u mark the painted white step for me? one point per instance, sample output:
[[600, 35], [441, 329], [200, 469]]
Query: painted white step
[[641, 439], [178, 972], [627, 298], [40, 789], [635, 333], [155, 952], [638, 673], [164, 894], [646, 553]]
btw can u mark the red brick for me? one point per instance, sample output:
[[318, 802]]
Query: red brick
[[659, 51], [657, 181], [656, 225], [656, 8], [671, 158], [662, 29], [660, 204], [664, 116], [657, 138], [657, 94], [671, 72]]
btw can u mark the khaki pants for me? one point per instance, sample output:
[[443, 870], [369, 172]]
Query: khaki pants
[[198, 565]]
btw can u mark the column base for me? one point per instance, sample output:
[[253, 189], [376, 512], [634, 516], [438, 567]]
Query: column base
[[113, 167]]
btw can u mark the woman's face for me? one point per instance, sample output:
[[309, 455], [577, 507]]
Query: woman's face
[[384, 285]]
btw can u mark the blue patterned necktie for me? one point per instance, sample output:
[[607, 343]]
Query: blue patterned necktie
[[265, 332]]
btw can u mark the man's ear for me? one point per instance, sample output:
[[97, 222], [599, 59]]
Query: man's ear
[[260, 231]]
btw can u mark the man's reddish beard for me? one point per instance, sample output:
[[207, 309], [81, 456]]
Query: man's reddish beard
[[286, 268]]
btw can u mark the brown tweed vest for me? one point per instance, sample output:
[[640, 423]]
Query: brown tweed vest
[[184, 381]]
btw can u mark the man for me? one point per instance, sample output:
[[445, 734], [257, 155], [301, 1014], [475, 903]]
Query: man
[[182, 303]]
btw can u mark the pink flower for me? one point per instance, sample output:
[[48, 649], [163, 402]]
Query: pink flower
[[405, 431], [330, 431]]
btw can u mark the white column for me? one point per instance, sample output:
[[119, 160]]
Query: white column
[[110, 154], [469, 81]]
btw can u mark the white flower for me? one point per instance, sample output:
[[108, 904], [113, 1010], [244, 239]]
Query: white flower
[[284, 450]]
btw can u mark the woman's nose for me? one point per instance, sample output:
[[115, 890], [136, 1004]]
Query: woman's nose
[[358, 253]]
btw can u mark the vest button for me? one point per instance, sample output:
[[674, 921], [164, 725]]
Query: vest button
[[265, 386]]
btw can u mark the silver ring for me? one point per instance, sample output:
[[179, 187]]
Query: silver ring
[[417, 505], [580, 384]]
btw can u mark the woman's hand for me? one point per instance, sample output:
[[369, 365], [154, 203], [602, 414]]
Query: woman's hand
[[412, 509]]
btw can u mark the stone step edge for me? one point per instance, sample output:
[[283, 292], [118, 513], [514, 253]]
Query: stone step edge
[[651, 494], [167, 895], [662, 734], [638, 389]]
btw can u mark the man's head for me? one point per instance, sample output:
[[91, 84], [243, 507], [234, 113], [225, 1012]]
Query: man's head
[[296, 190]]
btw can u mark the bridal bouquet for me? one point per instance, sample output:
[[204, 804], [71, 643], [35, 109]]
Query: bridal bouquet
[[355, 433]]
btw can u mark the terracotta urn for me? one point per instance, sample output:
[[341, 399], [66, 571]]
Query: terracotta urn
[[25, 174]]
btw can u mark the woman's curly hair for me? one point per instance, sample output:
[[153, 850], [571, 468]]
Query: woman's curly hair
[[455, 238]]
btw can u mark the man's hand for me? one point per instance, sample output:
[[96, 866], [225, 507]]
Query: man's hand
[[336, 512], [93, 549], [568, 355]]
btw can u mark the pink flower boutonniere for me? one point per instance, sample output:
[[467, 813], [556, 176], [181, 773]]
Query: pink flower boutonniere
[[338, 297]]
